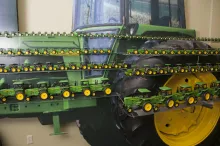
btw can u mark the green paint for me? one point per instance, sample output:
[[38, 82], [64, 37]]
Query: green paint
[[44, 106], [32, 92]]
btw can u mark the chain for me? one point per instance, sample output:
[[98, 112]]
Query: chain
[[53, 52], [60, 66], [72, 34], [146, 37], [77, 52], [130, 70], [171, 69]]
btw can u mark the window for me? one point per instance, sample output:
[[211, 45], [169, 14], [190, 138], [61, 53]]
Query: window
[[168, 13], [140, 11], [8, 15], [90, 12], [155, 12]]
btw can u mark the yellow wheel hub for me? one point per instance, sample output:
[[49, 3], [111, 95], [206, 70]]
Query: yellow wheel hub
[[191, 125], [191, 100], [25, 69], [138, 73], [171, 103], [13, 70], [148, 107], [44, 95], [19, 96], [38, 68], [73, 67], [66, 94], [87, 92], [150, 72], [207, 96], [108, 91]]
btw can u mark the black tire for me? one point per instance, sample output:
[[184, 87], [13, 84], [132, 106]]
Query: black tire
[[99, 128]]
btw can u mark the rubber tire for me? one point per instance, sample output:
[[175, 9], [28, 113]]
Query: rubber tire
[[99, 128]]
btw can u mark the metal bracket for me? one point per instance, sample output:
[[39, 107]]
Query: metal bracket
[[208, 104], [56, 125]]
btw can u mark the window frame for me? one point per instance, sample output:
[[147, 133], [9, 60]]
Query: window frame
[[124, 13]]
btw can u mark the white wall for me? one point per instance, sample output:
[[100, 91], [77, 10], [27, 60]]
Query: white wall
[[203, 16], [45, 15]]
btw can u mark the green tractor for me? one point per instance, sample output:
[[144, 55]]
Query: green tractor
[[83, 87], [40, 91], [187, 94], [101, 85], [50, 66], [17, 91], [76, 88], [137, 101], [62, 88], [2, 68], [61, 66], [215, 86], [27, 67], [14, 68], [166, 97], [74, 66], [202, 91], [64, 84], [39, 67], [147, 103]]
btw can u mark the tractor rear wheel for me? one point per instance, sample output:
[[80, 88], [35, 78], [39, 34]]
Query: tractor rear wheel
[[187, 128], [197, 125]]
